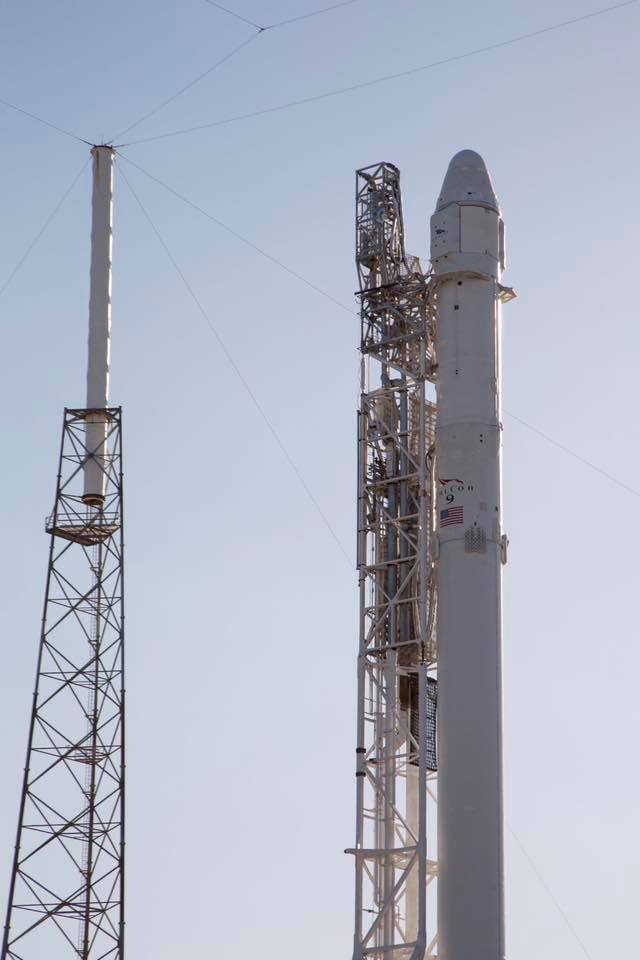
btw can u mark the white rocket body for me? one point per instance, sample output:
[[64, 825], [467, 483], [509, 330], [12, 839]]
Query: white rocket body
[[467, 251], [99, 323]]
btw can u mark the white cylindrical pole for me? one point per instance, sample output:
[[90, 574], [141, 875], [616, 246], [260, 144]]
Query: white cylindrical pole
[[468, 257], [99, 324], [412, 819]]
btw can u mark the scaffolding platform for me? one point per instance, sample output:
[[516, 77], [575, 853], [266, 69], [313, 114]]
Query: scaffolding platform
[[87, 531]]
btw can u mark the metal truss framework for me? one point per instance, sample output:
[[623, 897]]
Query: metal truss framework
[[66, 892], [397, 686]]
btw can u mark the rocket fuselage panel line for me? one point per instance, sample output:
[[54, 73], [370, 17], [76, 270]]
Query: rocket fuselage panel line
[[467, 256]]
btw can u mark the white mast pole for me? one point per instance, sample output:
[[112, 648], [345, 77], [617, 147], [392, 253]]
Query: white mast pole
[[467, 251], [99, 323]]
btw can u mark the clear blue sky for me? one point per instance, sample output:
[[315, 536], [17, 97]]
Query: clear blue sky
[[241, 607]]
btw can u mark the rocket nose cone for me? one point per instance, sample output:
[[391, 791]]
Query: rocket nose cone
[[467, 180]]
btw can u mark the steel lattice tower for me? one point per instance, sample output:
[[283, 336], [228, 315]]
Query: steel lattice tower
[[396, 749], [67, 884]]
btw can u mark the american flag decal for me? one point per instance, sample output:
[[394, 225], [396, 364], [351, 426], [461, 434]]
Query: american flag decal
[[451, 515]]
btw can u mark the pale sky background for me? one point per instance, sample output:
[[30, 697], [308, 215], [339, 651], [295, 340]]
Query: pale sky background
[[241, 609]]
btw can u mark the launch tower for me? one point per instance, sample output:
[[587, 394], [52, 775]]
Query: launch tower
[[428, 853], [67, 882], [396, 749]]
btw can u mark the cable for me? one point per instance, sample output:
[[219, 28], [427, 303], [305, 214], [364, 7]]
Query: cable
[[46, 123], [343, 306], [237, 16], [390, 76], [238, 236], [282, 23], [228, 56], [187, 86], [44, 227], [313, 13], [576, 456], [550, 893], [239, 374]]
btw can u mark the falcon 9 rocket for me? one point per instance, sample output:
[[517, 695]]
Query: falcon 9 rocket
[[467, 254]]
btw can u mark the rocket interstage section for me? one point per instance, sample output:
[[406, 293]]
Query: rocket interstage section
[[428, 853]]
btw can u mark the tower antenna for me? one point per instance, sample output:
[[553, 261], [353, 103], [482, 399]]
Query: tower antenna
[[67, 881]]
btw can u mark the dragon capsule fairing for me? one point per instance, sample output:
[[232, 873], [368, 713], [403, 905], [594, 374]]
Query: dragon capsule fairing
[[467, 253]]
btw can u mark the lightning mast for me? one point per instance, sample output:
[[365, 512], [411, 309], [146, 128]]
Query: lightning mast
[[396, 748], [67, 882]]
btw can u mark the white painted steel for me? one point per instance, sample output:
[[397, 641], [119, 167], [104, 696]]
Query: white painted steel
[[412, 817], [467, 258], [99, 321]]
